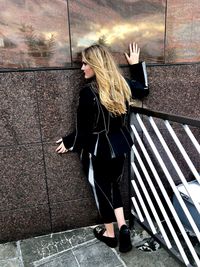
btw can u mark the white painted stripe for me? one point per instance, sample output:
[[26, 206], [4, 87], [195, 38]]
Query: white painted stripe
[[145, 73], [19, 252], [183, 151], [91, 180], [141, 218], [96, 145], [192, 138]]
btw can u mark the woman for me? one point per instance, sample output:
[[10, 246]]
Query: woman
[[101, 136]]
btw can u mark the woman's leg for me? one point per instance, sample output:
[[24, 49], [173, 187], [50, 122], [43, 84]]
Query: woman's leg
[[119, 214], [125, 244], [109, 230], [117, 200], [115, 171], [108, 175], [96, 172], [98, 177], [103, 188], [104, 177]]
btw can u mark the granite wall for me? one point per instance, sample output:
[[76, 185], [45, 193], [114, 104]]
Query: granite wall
[[44, 192], [40, 190]]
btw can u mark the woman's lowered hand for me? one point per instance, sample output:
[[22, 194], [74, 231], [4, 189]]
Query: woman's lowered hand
[[61, 148]]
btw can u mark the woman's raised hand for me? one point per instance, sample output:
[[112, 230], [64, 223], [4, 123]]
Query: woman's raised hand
[[134, 54]]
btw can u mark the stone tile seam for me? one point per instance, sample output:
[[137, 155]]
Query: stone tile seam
[[38, 262], [35, 206], [69, 200], [34, 143], [18, 257], [38, 205], [75, 256], [19, 252], [119, 258], [58, 233], [43, 154]]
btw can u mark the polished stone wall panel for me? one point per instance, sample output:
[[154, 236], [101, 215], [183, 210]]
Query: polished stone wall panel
[[22, 177], [81, 212], [66, 180], [175, 89], [31, 178], [19, 121], [42, 34], [182, 31], [58, 99], [124, 22], [34, 34], [23, 223]]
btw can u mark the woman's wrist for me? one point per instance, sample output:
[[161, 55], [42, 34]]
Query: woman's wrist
[[131, 64]]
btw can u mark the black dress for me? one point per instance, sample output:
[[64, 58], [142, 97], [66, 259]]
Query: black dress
[[102, 140]]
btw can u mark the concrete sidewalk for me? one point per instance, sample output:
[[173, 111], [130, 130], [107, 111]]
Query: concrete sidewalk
[[79, 248]]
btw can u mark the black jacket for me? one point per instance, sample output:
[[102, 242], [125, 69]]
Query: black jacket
[[97, 130]]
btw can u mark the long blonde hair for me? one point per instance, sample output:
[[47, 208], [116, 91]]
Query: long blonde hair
[[113, 89]]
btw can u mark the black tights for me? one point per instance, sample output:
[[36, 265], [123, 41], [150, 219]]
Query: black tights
[[104, 177]]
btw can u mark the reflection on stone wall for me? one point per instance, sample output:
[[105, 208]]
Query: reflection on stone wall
[[183, 31], [33, 34], [116, 23], [36, 33]]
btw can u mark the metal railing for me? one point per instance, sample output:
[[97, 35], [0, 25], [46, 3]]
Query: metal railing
[[165, 180]]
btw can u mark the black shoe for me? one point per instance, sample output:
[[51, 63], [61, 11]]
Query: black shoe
[[109, 241], [125, 244]]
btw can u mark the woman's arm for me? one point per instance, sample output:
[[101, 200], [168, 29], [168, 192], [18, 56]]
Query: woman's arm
[[138, 83], [84, 124]]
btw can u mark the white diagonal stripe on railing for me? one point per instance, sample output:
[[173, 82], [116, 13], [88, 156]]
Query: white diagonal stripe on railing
[[167, 174], [170, 180], [182, 150], [192, 138], [141, 218], [175, 164], [153, 229], [150, 203], [167, 199]]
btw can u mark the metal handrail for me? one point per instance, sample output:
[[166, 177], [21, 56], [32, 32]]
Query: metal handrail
[[166, 116], [137, 200]]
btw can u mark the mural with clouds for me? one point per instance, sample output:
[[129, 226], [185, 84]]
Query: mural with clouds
[[35, 34]]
